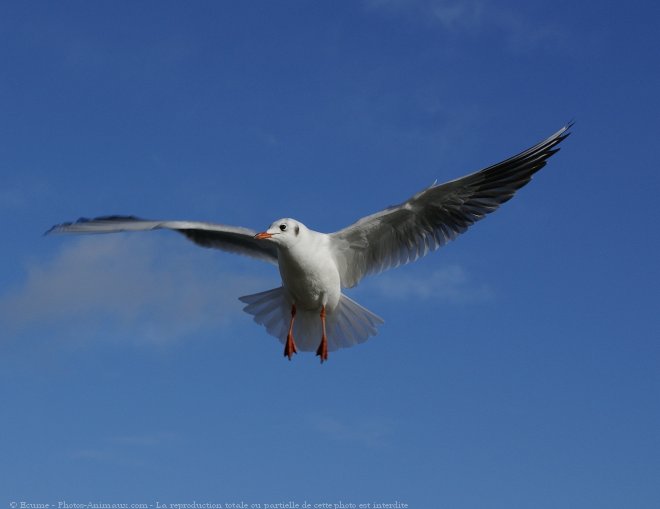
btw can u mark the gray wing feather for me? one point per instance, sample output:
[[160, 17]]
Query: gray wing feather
[[435, 216], [233, 239]]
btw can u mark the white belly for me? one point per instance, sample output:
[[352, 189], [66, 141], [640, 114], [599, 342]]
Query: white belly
[[311, 279]]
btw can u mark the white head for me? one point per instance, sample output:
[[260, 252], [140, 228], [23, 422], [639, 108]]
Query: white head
[[284, 232]]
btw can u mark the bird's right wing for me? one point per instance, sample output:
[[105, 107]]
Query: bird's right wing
[[428, 220], [233, 239]]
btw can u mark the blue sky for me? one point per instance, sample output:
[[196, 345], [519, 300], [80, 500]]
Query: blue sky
[[517, 367]]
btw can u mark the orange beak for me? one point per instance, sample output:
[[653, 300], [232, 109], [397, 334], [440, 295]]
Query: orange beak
[[263, 235]]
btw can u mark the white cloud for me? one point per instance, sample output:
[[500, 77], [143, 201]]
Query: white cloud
[[448, 284], [133, 287], [11, 199], [475, 17], [128, 450], [144, 440], [22, 191], [455, 16], [157, 289], [367, 432]]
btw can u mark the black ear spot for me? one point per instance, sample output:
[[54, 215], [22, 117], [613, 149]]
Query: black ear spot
[[297, 229]]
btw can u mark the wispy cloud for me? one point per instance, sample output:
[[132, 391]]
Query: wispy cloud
[[10, 198], [449, 284], [127, 451], [116, 287], [369, 432], [458, 15], [21, 192], [475, 17], [145, 440]]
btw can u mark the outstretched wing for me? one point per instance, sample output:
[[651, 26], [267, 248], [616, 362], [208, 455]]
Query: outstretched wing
[[233, 239], [435, 216]]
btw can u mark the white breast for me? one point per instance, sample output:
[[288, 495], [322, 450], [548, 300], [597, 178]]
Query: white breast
[[310, 274]]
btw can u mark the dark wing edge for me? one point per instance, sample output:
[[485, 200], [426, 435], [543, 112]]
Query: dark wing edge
[[435, 216], [233, 239]]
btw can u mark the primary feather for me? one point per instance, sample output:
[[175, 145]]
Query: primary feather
[[403, 233], [233, 239]]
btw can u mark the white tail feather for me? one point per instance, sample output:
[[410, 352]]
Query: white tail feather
[[347, 325]]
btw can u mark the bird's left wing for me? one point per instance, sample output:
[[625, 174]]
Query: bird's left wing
[[233, 239], [435, 216]]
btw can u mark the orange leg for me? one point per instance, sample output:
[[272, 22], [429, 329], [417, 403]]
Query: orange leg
[[290, 346], [322, 350]]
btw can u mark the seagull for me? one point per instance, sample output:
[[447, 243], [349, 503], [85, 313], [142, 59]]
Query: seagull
[[315, 267]]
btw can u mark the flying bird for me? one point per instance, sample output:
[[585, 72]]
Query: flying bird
[[309, 311]]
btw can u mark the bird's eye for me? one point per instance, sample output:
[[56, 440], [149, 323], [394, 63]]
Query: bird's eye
[[282, 227]]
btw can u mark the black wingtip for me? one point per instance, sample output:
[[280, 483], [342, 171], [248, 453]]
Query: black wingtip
[[566, 130], [560, 135]]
